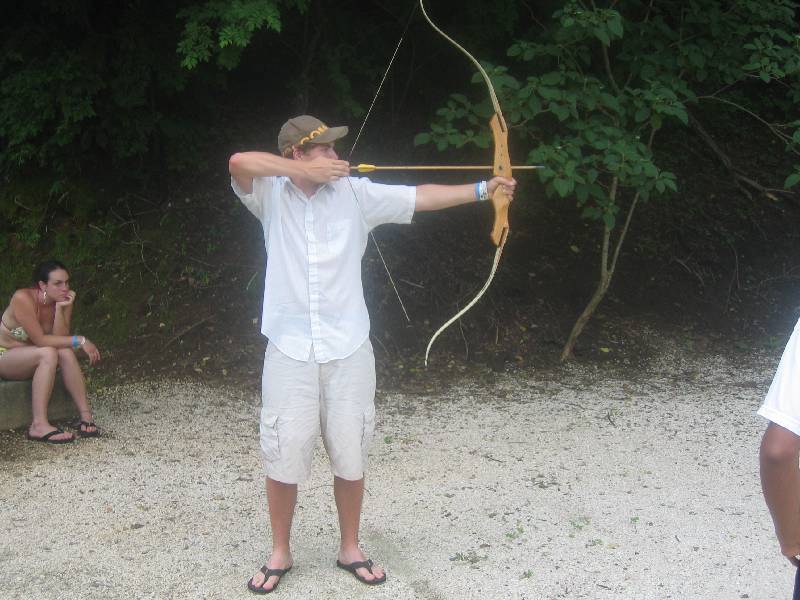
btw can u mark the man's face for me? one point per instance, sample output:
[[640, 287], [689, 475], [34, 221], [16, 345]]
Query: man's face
[[316, 151]]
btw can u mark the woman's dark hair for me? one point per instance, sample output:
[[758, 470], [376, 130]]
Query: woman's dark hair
[[43, 270]]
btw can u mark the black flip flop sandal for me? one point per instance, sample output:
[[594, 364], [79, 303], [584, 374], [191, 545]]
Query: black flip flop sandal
[[88, 434], [46, 437], [78, 425], [256, 589], [362, 564]]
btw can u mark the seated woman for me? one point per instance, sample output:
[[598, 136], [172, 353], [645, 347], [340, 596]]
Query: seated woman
[[35, 340]]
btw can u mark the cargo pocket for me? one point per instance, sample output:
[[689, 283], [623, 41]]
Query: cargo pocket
[[270, 440], [367, 431]]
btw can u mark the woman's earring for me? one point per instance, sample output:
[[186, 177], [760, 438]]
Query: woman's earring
[[44, 297]]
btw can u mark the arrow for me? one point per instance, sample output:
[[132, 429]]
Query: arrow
[[362, 168]]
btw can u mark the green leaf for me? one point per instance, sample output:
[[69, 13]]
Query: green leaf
[[553, 78], [615, 27], [562, 187], [602, 35], [792, 180], [641, 114]]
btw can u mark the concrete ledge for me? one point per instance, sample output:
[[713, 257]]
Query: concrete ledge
[[15, 403]]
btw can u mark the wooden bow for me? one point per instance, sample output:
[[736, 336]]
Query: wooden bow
[[501, 167]]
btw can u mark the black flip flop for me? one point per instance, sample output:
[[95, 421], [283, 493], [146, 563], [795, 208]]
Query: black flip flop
[[87, 434], [361, 564], [46, 437], [267, 574]]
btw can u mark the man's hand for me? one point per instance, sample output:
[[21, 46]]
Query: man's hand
[[68, 301], [508, 186], [324, 170]]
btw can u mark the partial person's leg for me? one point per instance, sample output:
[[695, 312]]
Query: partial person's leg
[[349, 497], [25, 362], [289, 430], [780, 482], [72, 376], [348, 417], [281, 498]]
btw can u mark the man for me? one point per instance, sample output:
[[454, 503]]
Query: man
[[319, 369], [780, 452]]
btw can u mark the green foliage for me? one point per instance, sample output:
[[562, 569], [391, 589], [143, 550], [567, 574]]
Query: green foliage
[[85, 89], [225, 28], [601, 82]]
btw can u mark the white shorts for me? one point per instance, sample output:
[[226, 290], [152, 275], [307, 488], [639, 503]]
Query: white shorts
[[782, 404], [301, 399]]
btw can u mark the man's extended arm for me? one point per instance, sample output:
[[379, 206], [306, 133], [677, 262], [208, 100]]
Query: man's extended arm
[[780, 481], [436, 197]]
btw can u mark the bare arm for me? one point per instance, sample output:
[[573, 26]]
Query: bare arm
[[780, 482], [63, 315], [436, 197], [243, 166], [25, 314]]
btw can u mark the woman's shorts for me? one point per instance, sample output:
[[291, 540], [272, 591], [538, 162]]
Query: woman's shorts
[[301, 399], [782, 404]]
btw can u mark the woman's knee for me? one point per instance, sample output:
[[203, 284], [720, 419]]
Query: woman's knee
[[66, 355], [48, 356]]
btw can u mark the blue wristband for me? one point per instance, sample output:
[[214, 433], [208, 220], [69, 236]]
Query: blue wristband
[[477, 191], [75, 341], [483, 190]]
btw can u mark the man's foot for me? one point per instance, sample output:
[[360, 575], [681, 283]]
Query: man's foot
[[361, 567], [267, 578]]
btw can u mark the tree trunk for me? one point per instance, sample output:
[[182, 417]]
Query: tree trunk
[[606, 271], [577, 328]]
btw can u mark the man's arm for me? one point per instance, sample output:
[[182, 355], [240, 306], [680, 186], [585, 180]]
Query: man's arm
[[780, 482], [436, 197], [243, 166]]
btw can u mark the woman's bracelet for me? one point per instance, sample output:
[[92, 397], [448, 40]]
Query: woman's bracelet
[[74, 342], [78, 341]]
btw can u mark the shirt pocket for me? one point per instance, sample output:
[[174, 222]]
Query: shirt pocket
[[338, 235]]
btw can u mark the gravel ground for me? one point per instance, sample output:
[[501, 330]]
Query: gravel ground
[[577, 484]]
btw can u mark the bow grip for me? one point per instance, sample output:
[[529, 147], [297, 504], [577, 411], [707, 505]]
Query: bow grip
[[502, 168]]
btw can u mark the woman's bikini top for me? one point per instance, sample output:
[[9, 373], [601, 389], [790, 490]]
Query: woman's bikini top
[[18, 333]]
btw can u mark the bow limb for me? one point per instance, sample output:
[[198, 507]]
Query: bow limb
[[502, 167]]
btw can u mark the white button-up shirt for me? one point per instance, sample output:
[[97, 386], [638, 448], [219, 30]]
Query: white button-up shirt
[[313, 296]]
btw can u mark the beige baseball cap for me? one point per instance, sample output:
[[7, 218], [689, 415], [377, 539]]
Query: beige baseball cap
[[306, 129]]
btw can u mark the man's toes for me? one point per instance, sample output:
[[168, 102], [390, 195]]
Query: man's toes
[[376, 573], [269, 585], [266, 584]]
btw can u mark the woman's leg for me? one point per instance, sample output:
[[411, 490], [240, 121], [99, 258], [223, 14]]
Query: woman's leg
[[72, 376], [26, 362]]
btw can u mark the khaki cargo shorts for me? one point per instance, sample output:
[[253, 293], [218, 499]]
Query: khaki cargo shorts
[[301, 399]]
